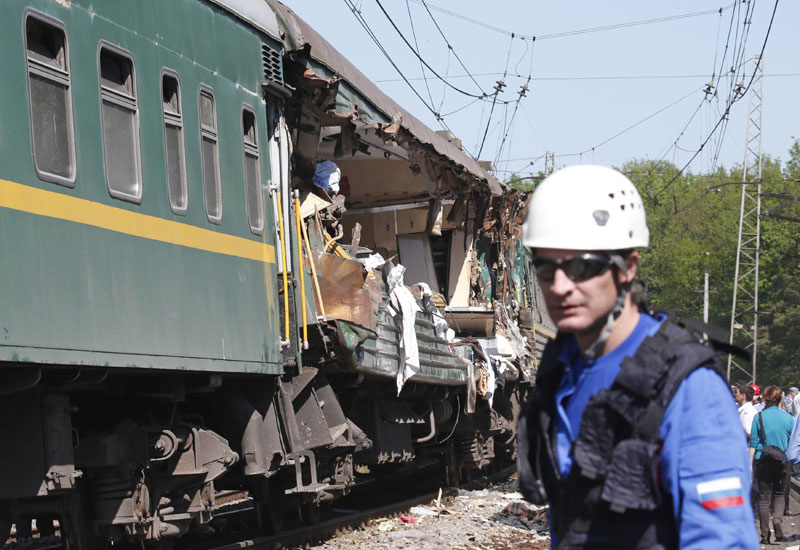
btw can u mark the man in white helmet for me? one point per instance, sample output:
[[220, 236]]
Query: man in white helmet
[[624, 436]]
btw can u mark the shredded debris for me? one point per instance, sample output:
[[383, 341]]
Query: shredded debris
[[496, 518]]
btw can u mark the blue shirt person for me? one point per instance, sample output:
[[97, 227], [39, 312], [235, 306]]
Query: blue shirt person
[[793, 447], [703, 464], [583, 227]]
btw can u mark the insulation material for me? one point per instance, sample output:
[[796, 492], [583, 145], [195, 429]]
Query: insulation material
[[404, 301]]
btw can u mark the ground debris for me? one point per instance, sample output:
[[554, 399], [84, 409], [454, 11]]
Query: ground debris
[[496, 518]]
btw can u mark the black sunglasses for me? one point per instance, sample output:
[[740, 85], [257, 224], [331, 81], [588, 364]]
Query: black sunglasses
[[578, 268]]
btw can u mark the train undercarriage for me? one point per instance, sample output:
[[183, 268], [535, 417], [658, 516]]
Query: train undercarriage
[[151, 459]]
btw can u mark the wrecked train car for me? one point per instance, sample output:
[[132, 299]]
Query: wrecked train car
[[429, 323], [237, 272]]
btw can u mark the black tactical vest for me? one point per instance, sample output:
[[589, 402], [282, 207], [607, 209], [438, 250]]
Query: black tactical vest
[[611, 497]]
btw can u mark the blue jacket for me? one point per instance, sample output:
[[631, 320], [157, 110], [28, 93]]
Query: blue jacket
[[793, 448], [703, 464]]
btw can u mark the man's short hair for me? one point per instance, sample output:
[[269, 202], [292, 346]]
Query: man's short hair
[[747, 391]]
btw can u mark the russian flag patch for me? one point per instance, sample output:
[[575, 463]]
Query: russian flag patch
[[720, 493]]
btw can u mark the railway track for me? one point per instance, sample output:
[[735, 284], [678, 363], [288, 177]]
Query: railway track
[[336, 520], [344, 520]]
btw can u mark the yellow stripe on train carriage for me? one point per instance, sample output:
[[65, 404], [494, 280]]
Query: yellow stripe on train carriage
[[32, 200]]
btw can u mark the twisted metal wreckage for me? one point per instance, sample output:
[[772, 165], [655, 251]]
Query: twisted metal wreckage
[[414, 210]]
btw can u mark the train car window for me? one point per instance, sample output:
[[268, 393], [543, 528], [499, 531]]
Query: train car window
[[120, 111], [212, 192], [252, 172], [50, 101], [173, 142]]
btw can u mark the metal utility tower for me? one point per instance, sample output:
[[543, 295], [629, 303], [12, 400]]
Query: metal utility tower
[[549, 162], [744, 312]]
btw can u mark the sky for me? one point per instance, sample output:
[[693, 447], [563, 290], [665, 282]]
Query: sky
[[610, 80]]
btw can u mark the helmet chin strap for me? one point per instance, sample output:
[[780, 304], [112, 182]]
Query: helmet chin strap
[[613, 314]]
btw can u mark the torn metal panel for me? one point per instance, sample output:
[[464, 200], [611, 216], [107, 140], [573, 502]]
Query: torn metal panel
[[341, 282]]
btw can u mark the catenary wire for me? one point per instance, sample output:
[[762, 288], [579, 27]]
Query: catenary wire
[[416, 43], [578, 31], [450, 46], [727, 110], [417, 54]]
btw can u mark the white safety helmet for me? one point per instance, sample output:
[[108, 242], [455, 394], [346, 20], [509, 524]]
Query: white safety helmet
[[586, 207]]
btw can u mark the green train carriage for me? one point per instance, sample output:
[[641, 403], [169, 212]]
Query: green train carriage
[[137, 236], [153, 355]]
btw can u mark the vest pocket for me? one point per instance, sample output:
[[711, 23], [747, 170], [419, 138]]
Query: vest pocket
[[632, 478]]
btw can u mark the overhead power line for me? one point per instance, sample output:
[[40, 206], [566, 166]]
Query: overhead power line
[[422, 60], [598, 77], [740, 94], [621, 132], [577, 31], [377, 42]]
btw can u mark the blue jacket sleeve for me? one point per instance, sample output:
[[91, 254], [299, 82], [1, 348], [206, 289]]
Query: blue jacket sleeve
[[793, 449], [705, 466]]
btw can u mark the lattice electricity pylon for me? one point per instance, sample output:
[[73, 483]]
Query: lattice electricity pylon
[[744, 311], [549, 162]]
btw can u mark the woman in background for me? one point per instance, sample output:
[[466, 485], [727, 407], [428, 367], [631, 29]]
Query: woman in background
[[772, 426]]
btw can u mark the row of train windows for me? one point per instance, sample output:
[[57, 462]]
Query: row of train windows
[[53, 137]]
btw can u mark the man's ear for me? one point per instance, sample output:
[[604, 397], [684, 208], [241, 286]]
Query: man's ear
[[632, 265]]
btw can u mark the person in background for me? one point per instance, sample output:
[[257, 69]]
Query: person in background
[[772, 426], [623, 435], [744, 398], [791, 405], [757, 402], [793, 456], [793, 447]]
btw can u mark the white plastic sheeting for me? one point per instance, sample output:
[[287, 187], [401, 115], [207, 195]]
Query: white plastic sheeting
[[403, 300]]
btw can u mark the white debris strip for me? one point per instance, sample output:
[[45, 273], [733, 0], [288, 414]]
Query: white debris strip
[[403, 300]]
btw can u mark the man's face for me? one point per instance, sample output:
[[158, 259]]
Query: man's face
[[578, 306], [739, 397]]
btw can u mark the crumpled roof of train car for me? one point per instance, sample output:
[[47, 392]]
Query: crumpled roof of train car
[[322, 51]]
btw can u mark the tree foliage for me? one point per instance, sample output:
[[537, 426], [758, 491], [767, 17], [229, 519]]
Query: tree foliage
[[694, 225]]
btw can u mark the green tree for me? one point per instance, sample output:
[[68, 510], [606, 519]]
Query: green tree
[[694, 222]]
